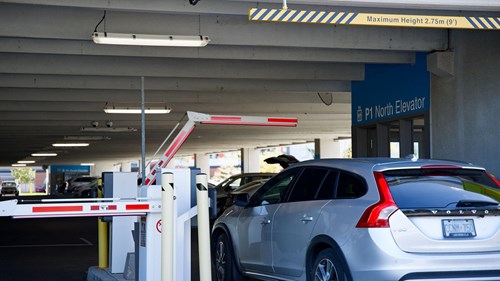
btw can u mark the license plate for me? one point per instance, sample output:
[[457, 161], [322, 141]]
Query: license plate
[[458, 228]]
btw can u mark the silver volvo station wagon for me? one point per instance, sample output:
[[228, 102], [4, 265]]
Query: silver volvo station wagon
[[364, 220]]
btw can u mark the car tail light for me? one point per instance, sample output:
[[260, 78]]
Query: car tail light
[[377, 215], [492, 177]]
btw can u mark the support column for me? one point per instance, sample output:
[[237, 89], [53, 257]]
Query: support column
[[382, 140], [250, 160], [327, 148], [405, 138], [202, 161]]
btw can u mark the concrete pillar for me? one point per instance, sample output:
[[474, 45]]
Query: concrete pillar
[[103, 166], [202, 161], [382, 140], [405, 137], [327, 148], [250, 160]]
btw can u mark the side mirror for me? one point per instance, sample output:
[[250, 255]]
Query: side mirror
[[241, 199]]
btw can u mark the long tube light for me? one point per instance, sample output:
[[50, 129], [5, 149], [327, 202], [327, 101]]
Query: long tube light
[[150, 39], [79, 144], [165, 110], [43, 154], [26, 161]]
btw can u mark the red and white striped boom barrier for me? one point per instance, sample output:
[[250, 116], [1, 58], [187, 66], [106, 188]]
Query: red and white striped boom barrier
[[48, 208], [195, 118]]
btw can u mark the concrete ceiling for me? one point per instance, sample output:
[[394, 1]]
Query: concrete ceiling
[[54, 80]]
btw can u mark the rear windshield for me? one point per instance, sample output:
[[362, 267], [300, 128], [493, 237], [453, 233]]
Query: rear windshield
[[441, 188]]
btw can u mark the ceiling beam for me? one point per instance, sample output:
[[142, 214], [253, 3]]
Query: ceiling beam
[[240, 7], [171, 83], [165, 67], [167, 97], [86, 47], [454, 5]]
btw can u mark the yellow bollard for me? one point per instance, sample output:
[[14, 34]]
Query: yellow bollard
[[102, 230]]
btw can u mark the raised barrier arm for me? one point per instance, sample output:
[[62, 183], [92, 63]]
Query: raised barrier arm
[[195, 118]]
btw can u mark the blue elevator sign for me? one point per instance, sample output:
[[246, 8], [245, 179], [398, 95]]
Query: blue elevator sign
[[390, 91], [69, 169]]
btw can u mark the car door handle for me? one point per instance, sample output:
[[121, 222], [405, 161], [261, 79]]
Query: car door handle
[[265, 221], [306, 219]]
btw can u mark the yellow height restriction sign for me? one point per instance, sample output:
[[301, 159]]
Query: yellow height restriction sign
[[323, 17]]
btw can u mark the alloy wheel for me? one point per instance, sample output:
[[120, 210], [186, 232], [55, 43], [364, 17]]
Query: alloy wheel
[[325, 271], [220, 260]]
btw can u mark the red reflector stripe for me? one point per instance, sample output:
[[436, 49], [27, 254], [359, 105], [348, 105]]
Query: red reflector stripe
[[276, 124], [292, 120], [225, 118], [57, 209], [104, 207], [174, 144], [147, 181], [137, 207]]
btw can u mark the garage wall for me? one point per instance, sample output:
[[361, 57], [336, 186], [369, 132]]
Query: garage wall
[[465, 107]]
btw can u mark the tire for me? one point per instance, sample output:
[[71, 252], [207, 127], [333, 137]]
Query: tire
[[327, 267], [225, 267]]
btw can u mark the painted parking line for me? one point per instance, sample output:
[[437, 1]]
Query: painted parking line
[[86, 243]]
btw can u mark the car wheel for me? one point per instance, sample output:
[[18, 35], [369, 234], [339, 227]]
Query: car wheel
[[327, 267], [225, 269]]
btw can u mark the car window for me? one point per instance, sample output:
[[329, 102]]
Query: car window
[[274, 191], [350, 186], [9, 184], [236, 183], [411, 188], [327, 189], [308, 184]]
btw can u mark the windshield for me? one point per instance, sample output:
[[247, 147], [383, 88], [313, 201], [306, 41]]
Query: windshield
[[441, 188], [9, 184]]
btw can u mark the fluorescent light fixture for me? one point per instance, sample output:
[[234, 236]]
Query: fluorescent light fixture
[[86, 138], [68, 144], [150, 39], [26, 162], [18, 165], [160, 110], [44, 154], [108, 130], [87, 164]]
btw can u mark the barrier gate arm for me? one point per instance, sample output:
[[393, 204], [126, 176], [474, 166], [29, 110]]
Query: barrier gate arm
[[195, 118], [79, 208]]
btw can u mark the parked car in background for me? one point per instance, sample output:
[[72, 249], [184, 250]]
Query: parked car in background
[[233, 182], [246, 190], [9, 188], [363, 219], [78, 181], [85, 189]]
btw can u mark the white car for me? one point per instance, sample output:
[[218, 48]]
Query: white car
[[364, 220]]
